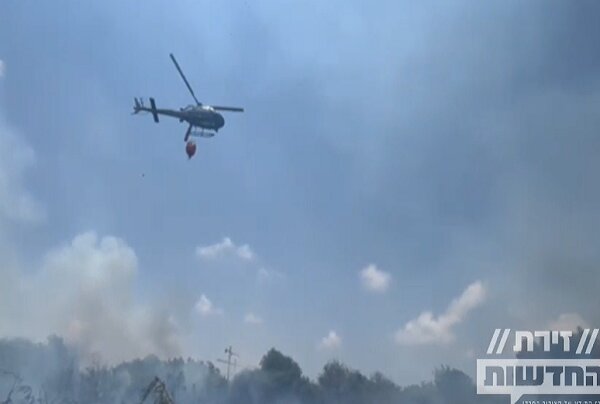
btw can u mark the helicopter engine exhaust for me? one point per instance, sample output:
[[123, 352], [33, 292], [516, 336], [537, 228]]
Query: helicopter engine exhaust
[[190, 149]]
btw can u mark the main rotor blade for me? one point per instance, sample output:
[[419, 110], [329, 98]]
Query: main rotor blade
[[184, 79], [233, 109]]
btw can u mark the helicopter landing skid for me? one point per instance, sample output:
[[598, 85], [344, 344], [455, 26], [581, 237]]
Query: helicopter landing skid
[[202, 134]]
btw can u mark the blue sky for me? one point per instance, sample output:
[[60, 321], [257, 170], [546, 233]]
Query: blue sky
[[452, 145]]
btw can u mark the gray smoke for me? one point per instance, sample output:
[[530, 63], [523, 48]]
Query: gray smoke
[[84, 291], [50, 373]]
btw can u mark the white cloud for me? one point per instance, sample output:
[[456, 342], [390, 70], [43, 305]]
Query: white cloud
[[245, 252], [226, 248], [265, 276], [568, 322], [84, 291], [2, 68], [374, 279], [330, 341], [16, 156], [252, 318], [206, 308], [427, 329]]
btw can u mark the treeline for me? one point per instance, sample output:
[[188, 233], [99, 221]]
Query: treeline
[[50, 374]]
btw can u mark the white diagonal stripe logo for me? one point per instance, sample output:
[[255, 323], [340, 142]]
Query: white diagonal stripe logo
[[503, 341], [591, 342], [493, 341], [582, 341]]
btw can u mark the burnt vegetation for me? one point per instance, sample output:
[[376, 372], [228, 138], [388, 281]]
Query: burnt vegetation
[[50, 374]]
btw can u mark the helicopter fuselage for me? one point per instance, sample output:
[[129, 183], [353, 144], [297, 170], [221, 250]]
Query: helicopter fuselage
[[203, 117], [198, 116]]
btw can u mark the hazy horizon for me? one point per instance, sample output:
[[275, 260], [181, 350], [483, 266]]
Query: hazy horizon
[[406, 178]]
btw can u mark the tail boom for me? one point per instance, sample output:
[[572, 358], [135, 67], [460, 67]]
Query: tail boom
[[139, 106]]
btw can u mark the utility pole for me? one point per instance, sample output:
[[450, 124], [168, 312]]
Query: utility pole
[[228, 361]]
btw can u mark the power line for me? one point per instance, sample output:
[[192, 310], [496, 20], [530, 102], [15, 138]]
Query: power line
[[228, 361]]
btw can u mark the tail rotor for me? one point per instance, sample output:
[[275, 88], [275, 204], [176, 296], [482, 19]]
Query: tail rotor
[[138, 105]]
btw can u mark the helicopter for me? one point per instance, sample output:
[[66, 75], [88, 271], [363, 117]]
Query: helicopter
[[205, 117]]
